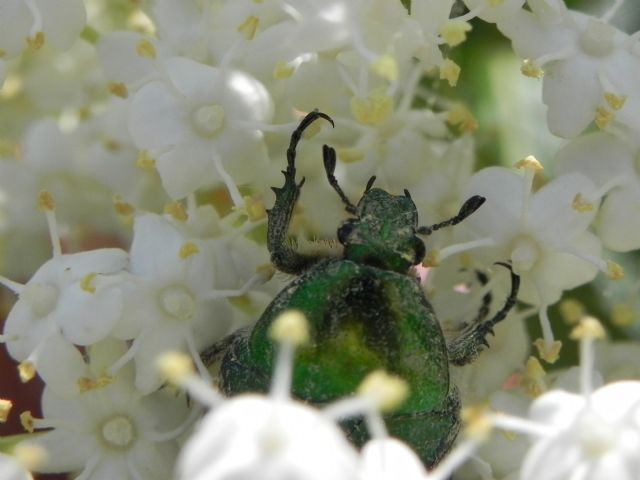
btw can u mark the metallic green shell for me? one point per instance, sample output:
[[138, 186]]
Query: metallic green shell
[[361, 318]]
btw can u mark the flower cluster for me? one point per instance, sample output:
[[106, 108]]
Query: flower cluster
[[140, 141]]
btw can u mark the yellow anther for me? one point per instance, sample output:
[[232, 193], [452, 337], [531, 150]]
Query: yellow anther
[[26, 371], [111, 145], [386, 66], [255, 209], [188, 249], [623, 315], [36, 42], [26, 420], [146, 49], [5, 409], [177, 211], [372, 110], [85, 384], [533, 378], [431, 259], [283, 70], [118, 89], [145, 161], [615, 101], [589, 327], [495, 3], [614, 270], [460, 115], [121, 207], [350, 155], [84, 114], [88, 283], [249, 27], [571, 311], [388, 391], [530, 163], [603, 118], [478, 425], [454, 32], [530, 69], [450, 71], [266, 271], [548, 352], [291, 327], [509, 435], [579, 204], [175, 366], [46, 202]]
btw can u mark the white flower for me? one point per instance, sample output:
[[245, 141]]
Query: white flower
[[611, 164], [253, 436], [389, 459], [590, 67], [544, 233], [598, 436], [173, 306], [12, 469], [104, 427], [34, 22], [75, 294], [197, 119]]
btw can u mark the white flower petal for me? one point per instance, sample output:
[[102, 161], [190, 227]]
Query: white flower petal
[[63, 20], [117, 52], [66, 451], [572, 93], [60, 364], [157, 118], [619, 225], [186, 167], [15, 26]]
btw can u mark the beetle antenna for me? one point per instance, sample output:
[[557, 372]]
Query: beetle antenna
[[297, 134], [468, 207], [370, 184], [329, 160]]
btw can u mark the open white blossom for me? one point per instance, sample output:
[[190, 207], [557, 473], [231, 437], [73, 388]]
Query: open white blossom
[[589, 65], [104, 427], [198, 122]]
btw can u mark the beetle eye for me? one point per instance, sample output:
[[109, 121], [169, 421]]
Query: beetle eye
[[421, 251], [344, 231]]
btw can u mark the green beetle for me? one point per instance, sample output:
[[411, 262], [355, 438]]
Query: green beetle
[[366, 312]]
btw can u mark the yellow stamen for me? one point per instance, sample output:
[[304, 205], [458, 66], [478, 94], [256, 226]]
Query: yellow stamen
[[450, 71], [530, 163], [589, 327], [372, 110], [118, 89], [579, 204], [291, 327], [122, 208], [623, 315], [5, 409], [177, 211], [387, 67], [477, 423], [46, 202], [530, 69], [614, 270], [145, 161], [615, 101], [549, 353], [454, 32], [388, 391], [146, 49], [603, 118], [88, 283], [571, 311], [188, 249], [26, 420], [255, 209], [249, 27], [175, 366], [26, 371], [36, 42], [283, 70]]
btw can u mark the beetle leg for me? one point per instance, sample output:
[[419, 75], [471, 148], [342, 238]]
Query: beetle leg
[[466, 347], [283, 255]]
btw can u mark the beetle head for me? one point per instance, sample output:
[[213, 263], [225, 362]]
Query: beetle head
[[383, 234]]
